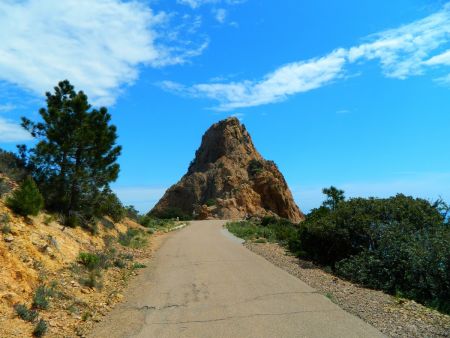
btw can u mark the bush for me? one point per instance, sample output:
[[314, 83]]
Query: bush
[[90, 260], [328, 236], [26, 200], [171, 213], [41, 297], [133, 238], [108, 204], [92, 280], [26, 314], [4, 187], [414, 265], [400, 245], [40, 329], [255, 167], [271, 228], [211, 202]]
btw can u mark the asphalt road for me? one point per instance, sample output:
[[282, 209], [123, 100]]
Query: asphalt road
[[204, 283]]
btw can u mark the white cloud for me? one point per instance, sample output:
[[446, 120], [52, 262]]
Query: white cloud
[[402, 52], [290, 79], [441, 59], [12, 132], [143, 198], [220, 14], [7, 107], [198, 3], [97, 44]]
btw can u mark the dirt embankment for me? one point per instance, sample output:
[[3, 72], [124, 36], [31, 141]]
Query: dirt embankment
[[39, 251]]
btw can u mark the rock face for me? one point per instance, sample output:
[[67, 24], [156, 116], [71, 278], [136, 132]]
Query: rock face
[[229, 179]]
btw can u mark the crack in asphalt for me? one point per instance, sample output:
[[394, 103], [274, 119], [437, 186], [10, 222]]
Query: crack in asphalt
[[242, 317], [169, 306]]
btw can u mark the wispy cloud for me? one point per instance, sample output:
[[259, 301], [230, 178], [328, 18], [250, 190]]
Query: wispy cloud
[[97, 44], [198, 3], [402, 52], [220, 14], [12, 132], [290, 79]]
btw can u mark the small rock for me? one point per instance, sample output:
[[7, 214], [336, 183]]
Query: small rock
[[8, 238]]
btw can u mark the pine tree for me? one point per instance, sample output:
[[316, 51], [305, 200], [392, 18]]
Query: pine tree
[[75, 158]]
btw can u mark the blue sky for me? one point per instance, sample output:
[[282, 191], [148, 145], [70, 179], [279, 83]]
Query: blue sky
[[346, 93]]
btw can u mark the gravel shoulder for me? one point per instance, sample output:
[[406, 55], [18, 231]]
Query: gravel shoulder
[[393, 316]]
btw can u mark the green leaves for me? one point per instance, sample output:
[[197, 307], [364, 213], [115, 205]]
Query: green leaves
[[26, 200], [75, 157]]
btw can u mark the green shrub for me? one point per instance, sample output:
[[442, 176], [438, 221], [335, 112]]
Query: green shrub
[[90, 260], [171, 213], [108, 204], [40, 329], [415, 266], [211, 202], [272, 229], [139, 266], [400, 245], [133, 238], [328, 236], [4, 187], [26, 314], [26, 200], [92, 280], [255, 167], [41, 297]]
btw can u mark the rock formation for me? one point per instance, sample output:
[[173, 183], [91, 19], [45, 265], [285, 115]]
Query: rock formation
[[229, 179]]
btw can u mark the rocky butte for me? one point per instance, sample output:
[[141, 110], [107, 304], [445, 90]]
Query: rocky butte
[[229, 179]]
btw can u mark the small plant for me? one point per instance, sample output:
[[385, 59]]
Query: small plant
[[255, 167], [6, 229], [90, 260], [48, 219], [86, 315], [211, 202], [92, 280], [26, 314], [26, 200], [119, 263], [41, 297], [139, 266], [40, 329], [4, 187], [133, 238], [330, 296]]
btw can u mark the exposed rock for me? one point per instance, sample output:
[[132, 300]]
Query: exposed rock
[[229, 179], [8, 238]]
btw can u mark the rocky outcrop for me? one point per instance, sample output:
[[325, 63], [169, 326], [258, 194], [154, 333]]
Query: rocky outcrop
[[229, 179]]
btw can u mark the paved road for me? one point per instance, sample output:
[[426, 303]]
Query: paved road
[[203, 283]]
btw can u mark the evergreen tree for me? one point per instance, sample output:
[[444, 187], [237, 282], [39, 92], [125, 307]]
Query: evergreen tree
[[75, 158], [334, 197]]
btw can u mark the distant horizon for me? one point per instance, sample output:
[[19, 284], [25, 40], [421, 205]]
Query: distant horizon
[[345, 94]]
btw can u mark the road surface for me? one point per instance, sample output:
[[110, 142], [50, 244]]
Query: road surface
[[204, 283]]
